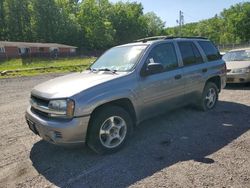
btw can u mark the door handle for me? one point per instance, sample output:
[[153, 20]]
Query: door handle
[[204, 70], [177, 77]]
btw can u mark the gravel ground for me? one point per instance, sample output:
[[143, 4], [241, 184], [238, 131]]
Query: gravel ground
[[183, 148]]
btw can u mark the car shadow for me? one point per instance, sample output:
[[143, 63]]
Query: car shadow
[[181, 135], [238, 86]]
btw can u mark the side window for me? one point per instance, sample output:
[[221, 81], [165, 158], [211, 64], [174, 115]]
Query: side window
[[23, 50], [2, 50], [190, 54], [210, 50], [164, 54]]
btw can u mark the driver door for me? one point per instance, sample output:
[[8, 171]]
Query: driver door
[[161, 91]]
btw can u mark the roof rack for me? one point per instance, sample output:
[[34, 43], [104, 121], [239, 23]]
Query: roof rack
[[167, 37], [150, 38], [194, 37]]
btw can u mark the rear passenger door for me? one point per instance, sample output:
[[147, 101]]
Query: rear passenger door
[[193, 68]]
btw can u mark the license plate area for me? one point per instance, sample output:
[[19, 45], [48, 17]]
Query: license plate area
[[230, 79]]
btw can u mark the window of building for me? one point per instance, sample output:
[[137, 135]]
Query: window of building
[[164, 54], [210, 50], [190, 54], [72, 50], [54, 49], [41, 49], [23, 50], [2, 50]]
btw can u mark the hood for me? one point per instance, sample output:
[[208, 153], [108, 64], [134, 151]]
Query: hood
[[237, 64], [69, 85]]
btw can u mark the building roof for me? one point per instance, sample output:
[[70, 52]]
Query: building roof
[[33, 44]]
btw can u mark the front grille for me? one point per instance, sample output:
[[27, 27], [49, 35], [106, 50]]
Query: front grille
[[37, 101], [58, 134], [38, 112], [40, 101]]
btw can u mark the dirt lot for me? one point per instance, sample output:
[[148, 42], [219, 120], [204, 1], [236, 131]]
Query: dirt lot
[[184, 148]]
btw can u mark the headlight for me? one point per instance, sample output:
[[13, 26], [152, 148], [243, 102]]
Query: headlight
[[61, 108]]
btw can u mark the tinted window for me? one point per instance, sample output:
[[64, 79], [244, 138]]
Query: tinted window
[[190, 54], [210, 50], [164, 54]]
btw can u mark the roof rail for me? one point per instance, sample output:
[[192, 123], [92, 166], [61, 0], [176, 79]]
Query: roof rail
[[150, 38], [194, 37], [167, 37]]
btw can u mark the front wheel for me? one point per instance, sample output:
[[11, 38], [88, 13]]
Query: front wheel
[[209, 97], [109, 129]]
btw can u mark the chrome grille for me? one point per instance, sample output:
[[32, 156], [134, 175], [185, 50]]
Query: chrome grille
[[38, 112], [38, 103], [58, 134]]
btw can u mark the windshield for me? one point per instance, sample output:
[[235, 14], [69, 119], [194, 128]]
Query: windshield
[[119, 58], [241, 55]]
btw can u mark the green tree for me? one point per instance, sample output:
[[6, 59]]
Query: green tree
[[230, 26], [98, 31], [237, 22], [17, 20], [99, 24], [128, 22], [155, 26], [46, 16], [68, 27], [210, 28], [2, 21]]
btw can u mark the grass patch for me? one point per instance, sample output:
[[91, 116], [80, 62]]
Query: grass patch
[[58, 66]]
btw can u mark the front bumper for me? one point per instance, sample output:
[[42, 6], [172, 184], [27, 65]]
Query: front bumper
[[58, 131], [238, 78]]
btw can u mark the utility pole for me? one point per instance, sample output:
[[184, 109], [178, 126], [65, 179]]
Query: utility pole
[[180, 21]]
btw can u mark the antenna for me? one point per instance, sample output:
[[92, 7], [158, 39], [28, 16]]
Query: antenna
[[180, 21]]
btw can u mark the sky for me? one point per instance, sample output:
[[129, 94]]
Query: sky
[[193, 10]]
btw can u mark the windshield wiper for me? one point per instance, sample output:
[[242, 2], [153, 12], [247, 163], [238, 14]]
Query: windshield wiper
[[107, 69], [103, 69]]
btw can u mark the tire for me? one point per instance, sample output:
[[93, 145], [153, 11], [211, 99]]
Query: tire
[[247, 84], [209, 97], [109, 129]]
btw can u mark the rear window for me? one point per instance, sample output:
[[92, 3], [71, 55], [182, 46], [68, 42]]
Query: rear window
[[210, 50]]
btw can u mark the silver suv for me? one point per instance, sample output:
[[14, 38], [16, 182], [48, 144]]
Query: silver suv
[[126, 85]]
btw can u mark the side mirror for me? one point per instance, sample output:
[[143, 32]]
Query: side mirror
[[152, 68]]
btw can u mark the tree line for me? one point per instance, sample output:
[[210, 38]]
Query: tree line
[[88, 24], [100, 24], [231, 26]]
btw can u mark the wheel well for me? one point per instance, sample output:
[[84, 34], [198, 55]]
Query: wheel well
[[124, 103], [216, 80]]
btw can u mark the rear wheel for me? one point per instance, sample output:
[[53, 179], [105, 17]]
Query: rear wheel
[[109, 129], [209, 97]]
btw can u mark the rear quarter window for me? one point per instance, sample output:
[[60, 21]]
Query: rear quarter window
[[210, 50]]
